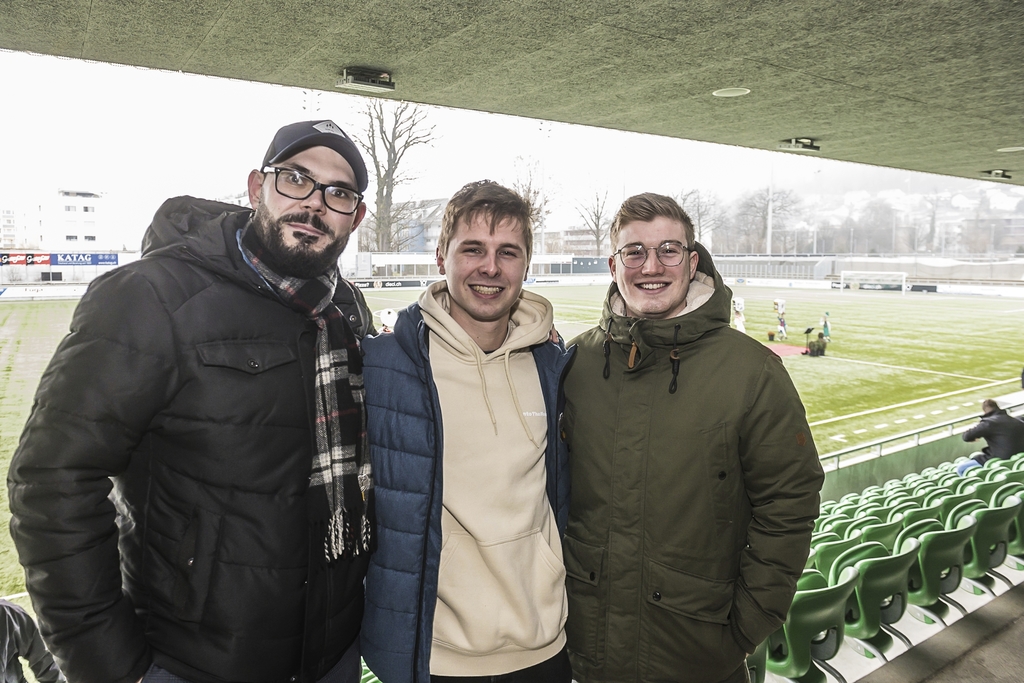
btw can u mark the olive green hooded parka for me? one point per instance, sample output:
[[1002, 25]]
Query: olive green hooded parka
[[694, 491]]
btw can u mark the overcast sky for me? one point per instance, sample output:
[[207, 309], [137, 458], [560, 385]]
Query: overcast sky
[[140, 136]]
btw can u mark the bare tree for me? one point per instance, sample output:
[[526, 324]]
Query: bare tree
[[933, 201], [595, 220], [702, 208], [529, 185], [392, 129], [752, 216]]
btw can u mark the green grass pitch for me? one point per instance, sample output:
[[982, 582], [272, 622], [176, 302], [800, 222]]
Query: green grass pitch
[[896, 363]]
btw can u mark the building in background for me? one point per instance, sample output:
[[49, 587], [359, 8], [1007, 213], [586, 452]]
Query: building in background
[[73, 220]]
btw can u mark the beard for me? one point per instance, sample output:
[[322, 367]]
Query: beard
[[302, 260]]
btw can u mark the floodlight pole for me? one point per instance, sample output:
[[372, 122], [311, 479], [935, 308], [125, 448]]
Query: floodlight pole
[[771, 193]]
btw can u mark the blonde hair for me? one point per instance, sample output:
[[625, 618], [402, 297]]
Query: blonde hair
[[647, 207]]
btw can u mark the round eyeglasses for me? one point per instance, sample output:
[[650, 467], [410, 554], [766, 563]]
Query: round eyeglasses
[[670, 253], [296, 185]]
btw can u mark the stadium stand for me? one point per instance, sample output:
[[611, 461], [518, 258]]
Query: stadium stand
[[895, 554]]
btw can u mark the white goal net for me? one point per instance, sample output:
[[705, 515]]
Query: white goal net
[[874, 280]]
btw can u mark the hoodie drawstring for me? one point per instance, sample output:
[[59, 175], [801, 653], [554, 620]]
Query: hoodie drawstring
[[674, 357], [515, 400], [487, 399]]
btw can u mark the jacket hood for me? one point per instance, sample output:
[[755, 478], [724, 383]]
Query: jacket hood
[[202, 229], [707, 308]]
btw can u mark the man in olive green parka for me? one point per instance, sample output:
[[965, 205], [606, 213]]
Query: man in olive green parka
[[694, 476]]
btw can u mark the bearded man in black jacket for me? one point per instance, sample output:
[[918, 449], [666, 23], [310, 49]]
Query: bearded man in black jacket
[[192, 497]]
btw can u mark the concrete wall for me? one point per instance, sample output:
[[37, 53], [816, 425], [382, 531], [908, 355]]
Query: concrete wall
[[894, 466]]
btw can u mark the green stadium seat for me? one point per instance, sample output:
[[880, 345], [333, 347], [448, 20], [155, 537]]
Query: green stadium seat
[[950, 501], [947, 479], [872, 510], [984, 490], [859, 523], [900, 509], [884, 533], [825, 553], [1015, 546], [1012, 475], [813, 630], [988, 546], [931, 512], [939, 567], [845, 508], [880, 598], [837, 523]]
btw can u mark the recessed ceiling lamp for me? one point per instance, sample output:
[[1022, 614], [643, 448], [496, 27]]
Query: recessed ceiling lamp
[[365, 79], [731, 92], [1010, 149], [800, 145], [996, 174]]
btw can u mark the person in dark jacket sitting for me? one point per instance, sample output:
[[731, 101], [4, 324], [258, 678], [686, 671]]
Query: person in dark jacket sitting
[[20, 638], [1003, 433], [192, 497]]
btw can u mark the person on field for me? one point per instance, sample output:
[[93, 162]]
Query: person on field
[[695, 480], [467, 583], [1003, 433], [20, 638], [192, 496]]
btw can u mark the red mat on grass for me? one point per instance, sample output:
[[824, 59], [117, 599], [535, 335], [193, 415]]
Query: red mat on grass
[[786, 349]]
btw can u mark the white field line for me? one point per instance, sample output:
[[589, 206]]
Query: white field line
[[914, 402], [909, 369]]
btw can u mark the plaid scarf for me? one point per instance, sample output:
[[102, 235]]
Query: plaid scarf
[[341, 483]]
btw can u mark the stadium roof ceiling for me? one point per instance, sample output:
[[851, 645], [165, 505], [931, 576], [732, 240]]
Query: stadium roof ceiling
[[930, 85]]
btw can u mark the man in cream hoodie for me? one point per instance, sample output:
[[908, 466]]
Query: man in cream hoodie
[[463, 401]]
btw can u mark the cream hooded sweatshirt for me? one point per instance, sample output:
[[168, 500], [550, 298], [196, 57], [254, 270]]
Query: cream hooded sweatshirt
[[501, 603]]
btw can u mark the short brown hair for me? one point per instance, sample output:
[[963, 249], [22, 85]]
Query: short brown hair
[[647, 207], [989, 406], [489, 198]]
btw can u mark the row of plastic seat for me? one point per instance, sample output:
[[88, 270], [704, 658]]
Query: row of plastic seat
[[898, 548]]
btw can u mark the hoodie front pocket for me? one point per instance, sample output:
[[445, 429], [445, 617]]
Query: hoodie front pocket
[[505, 594]]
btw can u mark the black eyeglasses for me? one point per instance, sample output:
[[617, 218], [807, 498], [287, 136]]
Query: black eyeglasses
[[670, 253], [296, 185]]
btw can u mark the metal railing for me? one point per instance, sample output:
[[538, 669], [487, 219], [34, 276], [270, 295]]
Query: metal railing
[[883, 446]]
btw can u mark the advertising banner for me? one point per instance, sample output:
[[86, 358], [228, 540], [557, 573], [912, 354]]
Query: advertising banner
[[83, 259], [22, 259]]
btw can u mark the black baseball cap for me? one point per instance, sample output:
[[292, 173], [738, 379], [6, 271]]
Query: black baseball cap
[[295, 137]]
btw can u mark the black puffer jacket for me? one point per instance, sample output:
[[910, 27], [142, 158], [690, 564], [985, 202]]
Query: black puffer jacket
[[1003, 433], [183, 400]]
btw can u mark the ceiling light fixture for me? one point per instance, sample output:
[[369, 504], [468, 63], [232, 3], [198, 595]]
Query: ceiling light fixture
[[365, 79], [1010, 149], [996, 174], [731, 92], [800, 145]]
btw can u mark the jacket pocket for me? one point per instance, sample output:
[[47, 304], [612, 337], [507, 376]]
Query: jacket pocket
[[688, 594], [193, 565], [685, 627], [252, 357], [724, 474], [587, 592]]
